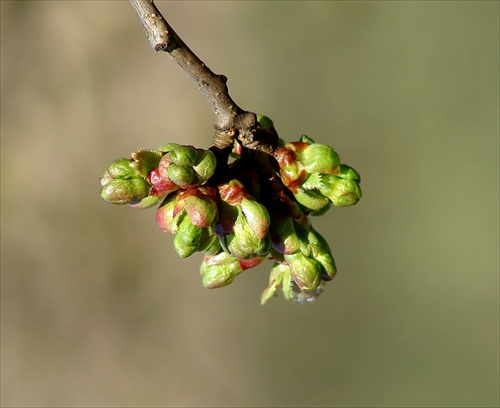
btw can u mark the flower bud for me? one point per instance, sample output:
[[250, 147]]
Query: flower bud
[[319, 158], [165, 213], [124, 191], [187, 166], [305, 271], [342, 189], [181, 175], [189, 215], [161, 185], [219, 270], [311, 199], [146, 160], [190, 238], [243, 223], [320, 251], [292, 172], [120, 168], [281, 275]]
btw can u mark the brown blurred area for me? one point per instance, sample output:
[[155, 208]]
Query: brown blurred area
[[98, 310]]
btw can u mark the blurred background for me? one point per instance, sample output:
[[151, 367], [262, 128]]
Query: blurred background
[[97, 308]]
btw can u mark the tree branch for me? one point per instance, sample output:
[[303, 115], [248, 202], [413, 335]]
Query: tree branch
[[230, 120]]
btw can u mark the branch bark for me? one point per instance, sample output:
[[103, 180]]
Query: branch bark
[[230, 120]]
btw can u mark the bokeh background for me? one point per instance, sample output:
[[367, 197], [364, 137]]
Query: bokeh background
[[98, 310]]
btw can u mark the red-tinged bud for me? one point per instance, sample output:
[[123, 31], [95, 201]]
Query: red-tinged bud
[[162, 186], [292, 172], [165, 213]]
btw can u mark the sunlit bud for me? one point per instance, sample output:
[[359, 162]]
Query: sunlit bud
[[305, 271], [124, 191], [190, 238], [312, 199], [320, 251], [342, 189], [205, 165], [146, 160], [243, 223], [256, 216], [319, 158], [120, 168], [219, 270], [168, 147], [243, 243], [198, 204], [187, 166], [181, 175]]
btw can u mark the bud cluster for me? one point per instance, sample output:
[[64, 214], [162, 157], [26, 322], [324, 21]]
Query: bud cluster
[[242, 207]]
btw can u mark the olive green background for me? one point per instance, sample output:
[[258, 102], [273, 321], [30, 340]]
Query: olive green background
[[98, 310]]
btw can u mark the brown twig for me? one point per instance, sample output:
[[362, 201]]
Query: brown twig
[[230, 120]]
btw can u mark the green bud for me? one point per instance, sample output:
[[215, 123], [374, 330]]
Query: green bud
[[219, 270], [124, 191], [320, 251], [305, 271], [189, 215], [243, 224], [243, 243], [311, 199], [181, 175], [146, 160], [120, 168], [342, 189], [256, 216], [319, 158], [190, 238], [168, 147], [183, 156], [205, 165], [280, 274], [187, 166]]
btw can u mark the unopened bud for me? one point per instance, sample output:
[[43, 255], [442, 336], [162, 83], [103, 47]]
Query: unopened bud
[[305, 271], [342, 189], [219, 270], [319, 158], [124, 191]]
